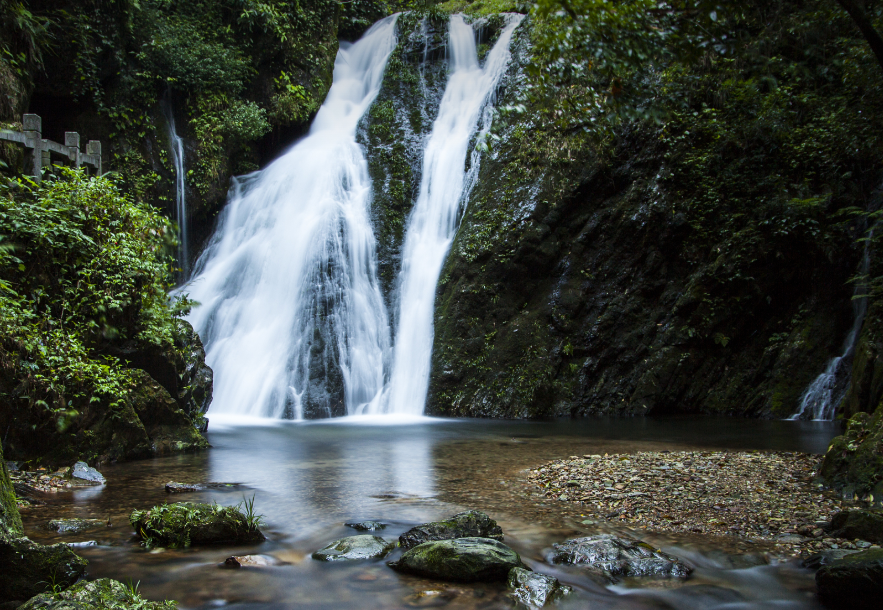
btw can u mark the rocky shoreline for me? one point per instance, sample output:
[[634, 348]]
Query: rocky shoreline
[[769, 498]]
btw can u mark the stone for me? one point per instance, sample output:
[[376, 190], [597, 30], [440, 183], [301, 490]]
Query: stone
[[535, 590], [366, 526], [75, 526], [190, 523], [82, 472], [251, 561], [460, 560], [101, 594], [28, 567], [854, 581], [824, 558], [354, 548], [469, 524], [858, 524], [618, 557], [178, 488]]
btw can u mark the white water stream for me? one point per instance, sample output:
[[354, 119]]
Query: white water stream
[[177, 149], [291, 314]]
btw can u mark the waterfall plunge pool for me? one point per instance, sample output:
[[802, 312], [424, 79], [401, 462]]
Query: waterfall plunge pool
[[308, 478]]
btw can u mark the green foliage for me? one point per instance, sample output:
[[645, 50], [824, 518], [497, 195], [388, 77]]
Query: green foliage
[[86, 266], [181, 524], [480, 8]]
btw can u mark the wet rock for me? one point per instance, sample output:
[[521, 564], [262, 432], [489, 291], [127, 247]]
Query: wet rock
[[854, 581], [366, 526], [28, 567], [460, 559], [354, 548], [83, 473], [618, 557], [534, 589], [817, 560], [102, 594], [251, 561], [469, 524], [858, 524], [179, 488], [75, 526], [190, 523]]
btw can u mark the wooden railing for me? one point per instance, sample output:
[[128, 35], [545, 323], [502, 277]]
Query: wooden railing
[[40, 151]]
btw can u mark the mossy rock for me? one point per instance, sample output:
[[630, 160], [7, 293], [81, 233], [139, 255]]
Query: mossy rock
[[469, 524], [30, 568], [460, 560], [855, 581], [189, 523], [354, 548], [10, 520], [853, 464], [102, 594], [858, 524]]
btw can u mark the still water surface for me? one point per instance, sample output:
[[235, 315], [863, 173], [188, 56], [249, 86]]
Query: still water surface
[[310, 478]]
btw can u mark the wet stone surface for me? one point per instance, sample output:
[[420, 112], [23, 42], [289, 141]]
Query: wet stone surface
[[460, 560], [618, 557], [535, 590], [355, 548], [471, 523], [75, 526], [366, 526]]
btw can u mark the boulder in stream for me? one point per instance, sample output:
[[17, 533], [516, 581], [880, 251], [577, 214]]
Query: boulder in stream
[[535, 590], [460, 559], [615, 557], [101, 594], [854, 581], [469, 524], [251, 561], [353, 548], [75, 526], [366, 526], [28, 568], [83, 474], [189, 523], [173, 487], [859, 524]]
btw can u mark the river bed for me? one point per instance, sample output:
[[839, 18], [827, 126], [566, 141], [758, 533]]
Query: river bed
[[309, 478]]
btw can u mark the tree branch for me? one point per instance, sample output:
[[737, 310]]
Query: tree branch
[[867, 29]]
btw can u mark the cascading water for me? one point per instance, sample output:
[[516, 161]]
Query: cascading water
[[291, 314], [177, 148], [435, 216], [826, 392]]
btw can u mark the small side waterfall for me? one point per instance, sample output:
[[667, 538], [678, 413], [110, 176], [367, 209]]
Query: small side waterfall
[[292, 318], [435, 217], [827, 391], [176, 145]]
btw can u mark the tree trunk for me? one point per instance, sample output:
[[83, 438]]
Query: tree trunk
[[867, 29]]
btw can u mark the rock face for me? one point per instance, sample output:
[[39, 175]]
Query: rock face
[[187, 523], [460, 560], [28, 567], [853, 464], [472, 523], [858, 524], [855, 581], [535, 590], [102, 594], [618, 557], [75, 526], [354, 548]]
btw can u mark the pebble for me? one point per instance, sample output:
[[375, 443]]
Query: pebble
[[767, 497]]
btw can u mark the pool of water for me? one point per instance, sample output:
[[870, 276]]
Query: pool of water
[[307, 479]]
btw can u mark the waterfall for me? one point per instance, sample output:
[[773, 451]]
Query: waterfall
[[827, 391], [291, 314], [177, 148], [435, 216]]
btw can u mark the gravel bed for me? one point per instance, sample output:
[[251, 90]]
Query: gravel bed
[[761, 497]]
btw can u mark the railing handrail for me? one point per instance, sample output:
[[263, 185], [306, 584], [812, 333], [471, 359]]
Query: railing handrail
[[31, 137]]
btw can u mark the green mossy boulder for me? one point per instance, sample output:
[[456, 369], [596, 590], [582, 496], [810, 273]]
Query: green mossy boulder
[[75, 526], [854, 582], [354, 548], [10, 520], [102, 594], [858, 524], [853, 464], [469, 524], [189, 523], [535, 590], [460, 560], [30, 568]]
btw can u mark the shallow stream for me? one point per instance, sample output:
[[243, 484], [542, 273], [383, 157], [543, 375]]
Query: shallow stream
[[308, 478]]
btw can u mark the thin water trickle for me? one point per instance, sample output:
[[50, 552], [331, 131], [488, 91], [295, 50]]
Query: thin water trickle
[[291, 314], [464, 108], [176, 145]]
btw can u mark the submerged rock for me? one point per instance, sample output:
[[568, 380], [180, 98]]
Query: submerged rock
[[854, 581], [28, 567], [354, 548], [251, 561], [179, 488], [366, 526], [460, 559], [102, 594], [817, 560], [75, 526], [534, 589], [186, 523], [858, 524], [83, 473], [618, 557], [469, 524]]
